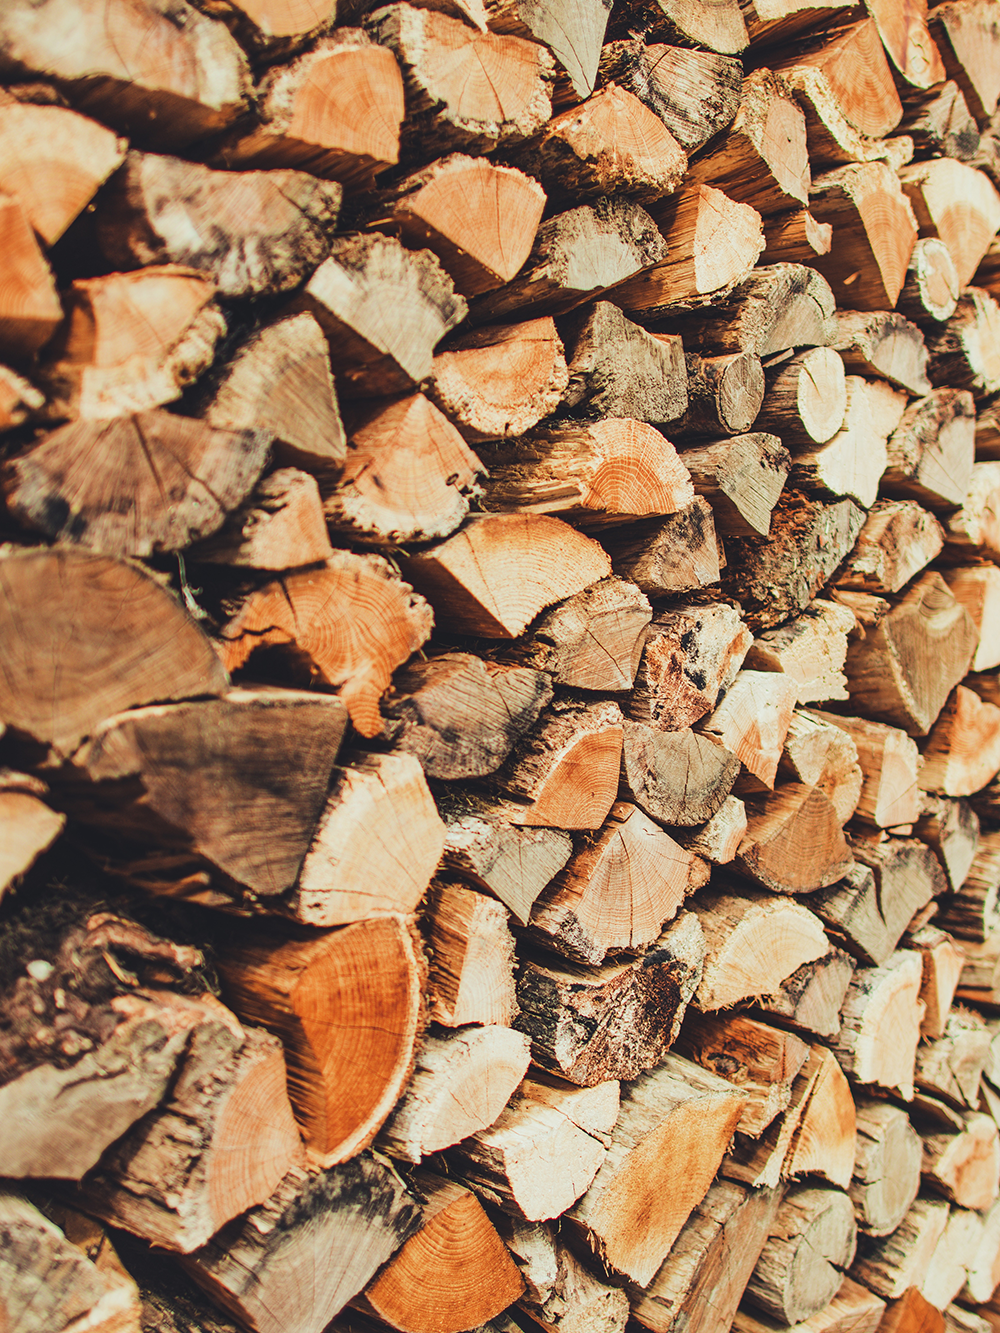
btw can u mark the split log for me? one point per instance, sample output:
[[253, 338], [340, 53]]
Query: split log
[[753, 943], [854, 1309], [318, 995], [881, 1024], [884, 344], [965, 353], [679, 778], [297, 1260], [679, 1117], [544, 1151], [940, 124], [908, 876], [889, 761], [898, 540], [592, 1024], [29, 311], [591, 641], [561, 1293], [893, 1265], [777, 21], [946, 1272], [950, 1067], [741, 478], [272, 32], [461, 1082], [964, 1167], [720, 29], [616, 891], [793, 842], [977, 587], [931, 290], [806, 400], [952, 829], [501, 380], [752, 722], [93, 635], [981, 1282], [280, 526], [822, 755], [724, 394], [495, 575], [943, 962], [932, 452], [976, 524], [967, 38], [617, 369], [352, 619], [668, 557], [958, 204], [811, 998], [471, 958], [979, 982], [718, 839], [794, 238], [908, 44], [881, 682], [694, 92], [576, 257], [27, 825], [574, 38], [962, 753], [867, 925], [408, 476], [853, 463], [812, 1241], [886, 1168], [973, 912], [362, 277], [810, 650], [825, 1135]]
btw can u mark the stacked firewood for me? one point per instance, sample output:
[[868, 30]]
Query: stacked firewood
[[499, 666]]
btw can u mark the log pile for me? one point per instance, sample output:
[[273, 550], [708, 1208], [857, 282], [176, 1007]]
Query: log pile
[[586, 417]]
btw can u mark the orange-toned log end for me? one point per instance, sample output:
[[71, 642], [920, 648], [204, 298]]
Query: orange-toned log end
[[287, 18], [579, 791], [29, 306], [454, 1274]]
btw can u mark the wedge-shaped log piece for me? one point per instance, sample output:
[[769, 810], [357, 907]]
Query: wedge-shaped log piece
[[881, 1021], [319, 996], [820, 754], [806, 399], [753, 942], [853, 910], [965, 1167], [890, 762], [479, 219], [461, 1083], [907, 876], [654, 1173], [973, 912], [456, 1269], [679, 778], [668, 557], [956, 203], [968, 37], [268, 30], [894, 1265], [295, 1261], [352, 619], [610, 471], [943, 961], [618, 369], [887, 672], [712, 241], [793, 842], [966, 352], [886, 1167], [810, 999], [466, 90], [499, 381], [813, 1240], [252, 232], [472, 958], [752, 722], [27, 826], [853, 463], [777, 578], [495, 575], [885, 344], [577, 256], [741, 478], [940, 124], [946, 1272], [908, 44], [853, 1308], [89, 636], [611, 144], [166, 77], [352, 870], [962, 753], [762, 161], [408, 475], [591, 641], [690, 655], [810, 650], [876, 232], [702, 1279], [977, 587], [29, 307], [853, 64], [352, 294], [979, 1285], [932, 451], [280, 526], [775, 308], [718, 839], [592, 1024], [240, 781], [976, 524], [574, 35], [951, 1066], [724, 394], [695, 93], [545, 1149], [794, 238], [720, 27], [898, 540], [931, 290], [560, 1291]]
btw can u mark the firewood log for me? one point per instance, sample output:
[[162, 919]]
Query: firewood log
[[312, 114], [543, 1152], [889, 761], [965, 353], [680, 1116], [793, 842], [592, 473], [27, 825], [884, 344], [890, 1265], [962, 753], [855, 912], [908, 875], [251, 232], [573, 36], [774, 308], [753, 943], [94, 635], [908, 44], [977, 587], [461, 1082], [821, 754], [943, 961], [979, 981], [280, 526], [931, 453], [317, 994], [494, 576], [774, 23], [881, 1024], [668, 557], [980, 1283], [617, 369], [931, 290], [466, 90], [886, 1167], [899, 539], [352, 870], [794, 238], [813, 1239], [269, 31], [718, 839], [352, 619], [29, 310], [560, 1292], [679, 778], [297, 1259], [165, 80], [741, 478], [973, 912], [713, 241], [976, 523], [724, 394], [408, 475], [471, 958], [500, 380], [703, 1277], [946, 1272], [592, 640], [883, 687], [967, 37], [779, 577], [751, 722], [577, 256], [591, 1024], [964, 1167], [853, 463], [950, 1066], [690, 655], [853, 66], [362, 277], [806, 399], [616, 891], [695, 93], [854, 1309], [455, 1271], [940, 124], [810, 651], [825, 1138], [810, 999]]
